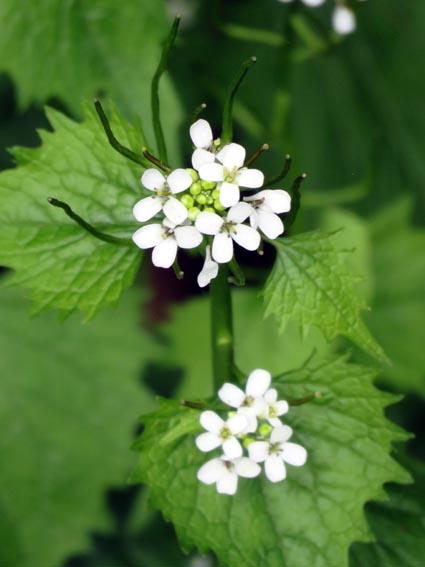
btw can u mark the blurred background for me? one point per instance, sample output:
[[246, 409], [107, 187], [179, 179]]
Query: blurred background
[[349, 109]]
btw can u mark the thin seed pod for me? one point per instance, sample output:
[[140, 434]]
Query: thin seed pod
[[162, 66], [227, 130], [126, 152], [88, 227]]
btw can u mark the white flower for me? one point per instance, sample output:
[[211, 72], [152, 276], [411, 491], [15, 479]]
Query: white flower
[[224, 473], [343, 20], [165, 187], [264, 206], [220, 432], [202, 138], [270, 408], [250, 403], [165, 239], [209, 270], [312, 3], [276, 452], [227, 230], [231, 174]]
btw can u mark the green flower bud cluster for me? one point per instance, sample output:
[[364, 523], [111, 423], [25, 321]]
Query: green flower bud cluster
[[201, 196]]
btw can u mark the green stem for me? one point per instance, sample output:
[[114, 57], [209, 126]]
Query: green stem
[[156, 119], [88, 227], [118, 147], [227, 131], [221, 328]]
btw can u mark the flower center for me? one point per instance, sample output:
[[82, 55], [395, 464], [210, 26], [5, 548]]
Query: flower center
[[230, 175], [225, 433], [274, 448], [272, 411]]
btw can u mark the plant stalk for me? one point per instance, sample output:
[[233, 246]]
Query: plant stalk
[[221, 328]]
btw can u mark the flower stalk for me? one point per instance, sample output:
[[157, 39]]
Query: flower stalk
[[221, 328]]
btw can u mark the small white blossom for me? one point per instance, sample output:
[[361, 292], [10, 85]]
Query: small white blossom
[[165, 187], [250, 403], [221, 433], [225, 230], [209, 270], [202, 138], [165, 239], [224, 473], [270, 408], [276, 452], [343, 20], [230, 174], [265, 205], [312, 3]]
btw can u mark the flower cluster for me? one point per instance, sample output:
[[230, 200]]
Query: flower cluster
[[343, 18], [252, 425], [205, 201]]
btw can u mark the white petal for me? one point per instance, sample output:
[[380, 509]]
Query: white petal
[[201, 157], [251, 178], [258, 382], [229, 194], [211, 471], [281, 407], [250, 414], [343, 20], [164, 253], [313, 3], [232, 156], [270, 396], [208, 223], [253, 218], [179, 180], [227, 483], [209, 270], [237, 423], [259, 406], [278, 200], [211, 421], [152, 179], [274, 422], [246, 237], [187, 236], [269, 223], [211, 172], [258, 451], [175, 211], [246, 468], [208, 442], [281, 434], [294, 454], [148, 236], [240, 212], [232, 448], [274, 468], [222, 248], [231, 395], [147, 208], [201, 134]]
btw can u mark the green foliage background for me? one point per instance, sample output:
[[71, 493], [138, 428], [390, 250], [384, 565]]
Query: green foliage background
[[351, 114]]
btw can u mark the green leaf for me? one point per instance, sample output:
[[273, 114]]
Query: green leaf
[[69, 399], [312, 517], [310, 284], [397, 318], [74, 51], [65, 267], [399, 526]]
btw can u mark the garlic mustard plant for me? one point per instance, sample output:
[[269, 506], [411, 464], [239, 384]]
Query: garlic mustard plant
[[255, 427], [204, 203]]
